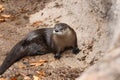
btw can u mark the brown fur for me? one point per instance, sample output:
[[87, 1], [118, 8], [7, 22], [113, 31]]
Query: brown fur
[[67, 40]]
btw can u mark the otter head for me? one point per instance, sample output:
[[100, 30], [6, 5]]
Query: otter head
[[61, 29]]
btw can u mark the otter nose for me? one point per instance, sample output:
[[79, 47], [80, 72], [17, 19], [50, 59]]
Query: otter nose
[[56, 30]]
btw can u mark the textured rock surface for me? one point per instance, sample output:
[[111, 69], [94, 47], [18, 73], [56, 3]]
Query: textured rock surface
[[108, 67]]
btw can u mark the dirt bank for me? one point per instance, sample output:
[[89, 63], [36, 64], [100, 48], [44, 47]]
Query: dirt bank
[[86, 17]]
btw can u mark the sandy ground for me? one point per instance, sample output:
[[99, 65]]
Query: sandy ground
[[49, 12]]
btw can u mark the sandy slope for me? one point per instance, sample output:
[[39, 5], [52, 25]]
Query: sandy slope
[[90, 26]]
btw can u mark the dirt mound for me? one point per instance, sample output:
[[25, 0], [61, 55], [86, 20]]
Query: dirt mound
[[26, 15]]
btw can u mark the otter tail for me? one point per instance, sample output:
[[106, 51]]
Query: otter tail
[[20, 50], [16, 53]]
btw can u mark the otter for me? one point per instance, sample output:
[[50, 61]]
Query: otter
[[42, 41]]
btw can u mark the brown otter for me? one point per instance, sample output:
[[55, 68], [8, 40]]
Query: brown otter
[[64, 37], [43, 41]]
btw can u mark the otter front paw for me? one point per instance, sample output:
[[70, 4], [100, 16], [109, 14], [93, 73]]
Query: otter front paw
[[57, 56], [76, 50]]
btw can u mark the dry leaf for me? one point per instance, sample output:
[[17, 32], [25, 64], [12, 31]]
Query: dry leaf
[[36, 78], [43, 61], [1, 8], [2, 20], [36, 64], [5, 16], [13, 78], [27, 78], [2, 79], [41, 73], [37, 23], [39, 63]]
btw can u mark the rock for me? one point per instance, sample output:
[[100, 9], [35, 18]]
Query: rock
[[108, 67]]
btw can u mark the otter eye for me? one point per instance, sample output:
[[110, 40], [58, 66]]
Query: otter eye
[[61, 29]]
